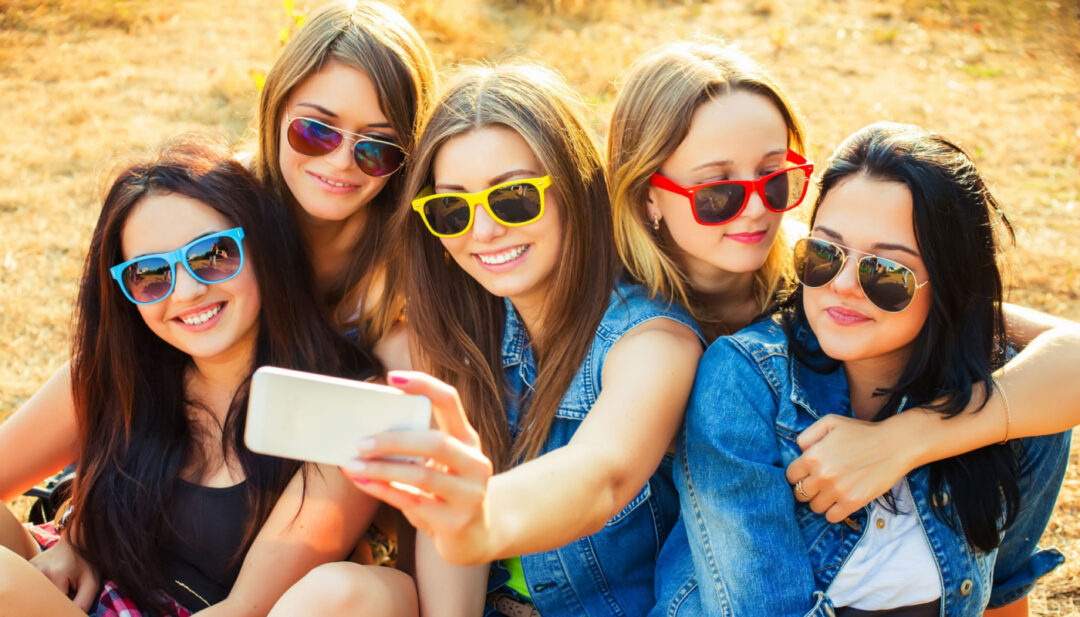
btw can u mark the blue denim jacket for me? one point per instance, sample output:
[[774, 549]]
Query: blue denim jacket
[[757, 551], [609, 573]]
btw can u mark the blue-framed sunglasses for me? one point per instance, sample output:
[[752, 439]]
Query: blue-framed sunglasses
[[213, 258]]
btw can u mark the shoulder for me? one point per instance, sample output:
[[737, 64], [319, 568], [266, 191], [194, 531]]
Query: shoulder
[[760, 342], [753, 362], [631, 309]]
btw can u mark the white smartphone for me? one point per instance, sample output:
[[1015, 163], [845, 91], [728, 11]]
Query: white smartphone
[[309, 417]]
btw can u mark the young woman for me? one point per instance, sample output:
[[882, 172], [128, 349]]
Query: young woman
[[705, 153], [899, 306], [195, 276], [336, 115], [517, 304]]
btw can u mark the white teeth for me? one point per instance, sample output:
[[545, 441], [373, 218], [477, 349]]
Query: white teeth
[[332, 183], [202, 317], [503, 257]]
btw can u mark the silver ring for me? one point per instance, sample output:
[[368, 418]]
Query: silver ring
[[800, 491]]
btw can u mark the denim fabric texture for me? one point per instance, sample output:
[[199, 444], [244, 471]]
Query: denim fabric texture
[[757, 551], [609, 573]]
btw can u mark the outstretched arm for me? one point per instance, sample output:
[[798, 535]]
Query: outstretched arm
[[847, 463], [558, 497]]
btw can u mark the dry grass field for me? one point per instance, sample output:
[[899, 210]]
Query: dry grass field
[[85, 81]]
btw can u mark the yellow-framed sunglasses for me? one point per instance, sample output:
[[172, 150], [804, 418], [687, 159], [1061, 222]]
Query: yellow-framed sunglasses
[[513, 203]]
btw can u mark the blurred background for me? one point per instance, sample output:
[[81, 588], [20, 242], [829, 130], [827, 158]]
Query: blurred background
[[85, 81]]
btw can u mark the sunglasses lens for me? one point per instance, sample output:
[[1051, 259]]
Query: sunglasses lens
[[889, 285], [214, 259], [448, 216], [785, 190], [515, 204], [312, 138], [148, 280], [816, 262], [719, 203], [378, 159]]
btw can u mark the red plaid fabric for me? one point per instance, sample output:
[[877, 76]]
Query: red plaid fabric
[[111, 602]]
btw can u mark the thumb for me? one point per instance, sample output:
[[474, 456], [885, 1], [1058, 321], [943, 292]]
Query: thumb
[[445, 403]]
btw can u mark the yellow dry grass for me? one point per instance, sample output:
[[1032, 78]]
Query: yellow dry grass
[[84, 81]]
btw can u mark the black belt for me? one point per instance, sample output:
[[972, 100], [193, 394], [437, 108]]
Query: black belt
[[930, 609]]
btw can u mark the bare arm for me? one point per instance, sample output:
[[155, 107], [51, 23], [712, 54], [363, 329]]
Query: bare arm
[[847, 463], [306, 528], [554, 499], [445, 589], [40, 438]]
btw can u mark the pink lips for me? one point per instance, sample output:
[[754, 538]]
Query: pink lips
[[331, 188], [747, 238], [845, 316]]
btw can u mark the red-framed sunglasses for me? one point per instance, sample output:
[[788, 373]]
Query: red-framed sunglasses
[[716, 203]]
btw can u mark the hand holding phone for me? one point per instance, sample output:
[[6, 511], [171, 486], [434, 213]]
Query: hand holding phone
[[309, 417]]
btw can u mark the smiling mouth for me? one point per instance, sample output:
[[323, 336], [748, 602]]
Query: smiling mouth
[[495, 259], [335, 182], [203, 316]]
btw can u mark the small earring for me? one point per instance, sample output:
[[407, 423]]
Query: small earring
[[446, 256], [656, 223]]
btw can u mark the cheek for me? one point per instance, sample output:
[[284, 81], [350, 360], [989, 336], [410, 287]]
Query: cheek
[[456, 248]]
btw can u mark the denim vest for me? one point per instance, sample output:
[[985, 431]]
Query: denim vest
[[757, 551], [608, 573]]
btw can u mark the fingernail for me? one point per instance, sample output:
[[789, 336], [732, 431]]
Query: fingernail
[[361, 480], [357, 467], [365, 444], [399, 379]]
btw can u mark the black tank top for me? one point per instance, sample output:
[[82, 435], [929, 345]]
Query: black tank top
[[209, 526]]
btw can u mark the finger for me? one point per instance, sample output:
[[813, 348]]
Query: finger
[[838, 512], [463, 493], [797, 470], [815, 433], [452, 453], [419, 509], [445, 402], [86, 592]]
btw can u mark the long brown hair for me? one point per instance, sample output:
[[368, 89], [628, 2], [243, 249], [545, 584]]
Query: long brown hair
[[652, 117], [373, 38], [458, 324], [133, 410]]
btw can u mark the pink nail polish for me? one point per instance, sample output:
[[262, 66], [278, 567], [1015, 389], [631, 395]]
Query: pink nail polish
[[398, 379]]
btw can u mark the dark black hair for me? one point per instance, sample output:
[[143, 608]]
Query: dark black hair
[[135, 437], [963, 339]]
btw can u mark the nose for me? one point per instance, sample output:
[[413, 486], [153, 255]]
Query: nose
[[486, 228], [342, 157], [846, 281], [755, 206], [186, 288]]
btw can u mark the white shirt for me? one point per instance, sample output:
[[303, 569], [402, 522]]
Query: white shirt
[[892, 564]]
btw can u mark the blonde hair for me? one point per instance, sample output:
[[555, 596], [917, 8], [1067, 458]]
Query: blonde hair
[[652, 117], [372, 38], [458, 323]]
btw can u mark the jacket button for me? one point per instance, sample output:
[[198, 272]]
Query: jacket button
[[965, 587], [941, 499]]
